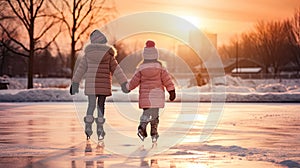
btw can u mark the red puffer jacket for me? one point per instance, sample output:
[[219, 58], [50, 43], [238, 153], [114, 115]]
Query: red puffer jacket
[[152, 79]]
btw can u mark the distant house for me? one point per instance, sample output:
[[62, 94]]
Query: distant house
[[290, 67], [290, 70], [243, 66]]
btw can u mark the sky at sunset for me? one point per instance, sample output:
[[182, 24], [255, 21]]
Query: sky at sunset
[[227, 18]]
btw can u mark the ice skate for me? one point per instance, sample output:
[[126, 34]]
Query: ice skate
[[154, 138], [154, 134], [141, 136], [88, 120], [142, 133], [100, 131]]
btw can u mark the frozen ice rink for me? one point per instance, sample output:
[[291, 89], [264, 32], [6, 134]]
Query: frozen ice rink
[[239, 135]]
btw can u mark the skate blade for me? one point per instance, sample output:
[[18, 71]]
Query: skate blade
[[100, 138], [140, 136], [154, 139]]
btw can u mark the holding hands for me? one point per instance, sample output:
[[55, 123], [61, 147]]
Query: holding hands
[[74, 88], [124, 88]]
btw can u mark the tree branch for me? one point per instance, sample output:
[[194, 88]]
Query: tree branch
[[50, 42], [14, 51], [13, 39], [26, 5], [38, 8], [23, 20], [46, 29], [62, 15], [90, 8]]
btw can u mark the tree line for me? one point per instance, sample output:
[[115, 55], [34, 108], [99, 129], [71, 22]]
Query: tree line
[[274, 44], [31, 29], [34, 34]]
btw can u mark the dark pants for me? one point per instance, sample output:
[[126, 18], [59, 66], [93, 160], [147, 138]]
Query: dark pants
[[92, 105], [150, 115]]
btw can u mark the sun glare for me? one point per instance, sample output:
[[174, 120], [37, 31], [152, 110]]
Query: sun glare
[[192, 19]]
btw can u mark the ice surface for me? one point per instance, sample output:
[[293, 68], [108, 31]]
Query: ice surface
[[248, 135]]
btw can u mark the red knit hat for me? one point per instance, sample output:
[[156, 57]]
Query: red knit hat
[[150, 52], [150, 43]]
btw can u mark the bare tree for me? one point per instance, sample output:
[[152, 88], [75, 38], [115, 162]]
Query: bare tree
[[247, 47], [227, 51], [80, 16], [270, 42], [293, 29], [65, 71], [6, 43], [30, 17]]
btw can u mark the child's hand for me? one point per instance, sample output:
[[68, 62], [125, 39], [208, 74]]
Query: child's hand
[[172, 95], [124, 88], [74, 88]]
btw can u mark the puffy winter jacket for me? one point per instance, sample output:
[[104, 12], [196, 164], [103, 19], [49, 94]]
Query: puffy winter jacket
[[152, 80], [98, 65]]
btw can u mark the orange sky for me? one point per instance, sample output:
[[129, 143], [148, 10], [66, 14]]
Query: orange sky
[[224, 17]]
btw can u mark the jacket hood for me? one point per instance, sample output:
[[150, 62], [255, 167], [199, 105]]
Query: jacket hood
[[96, 51], [150, 69]]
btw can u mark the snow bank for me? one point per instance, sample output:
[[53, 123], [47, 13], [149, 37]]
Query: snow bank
[[21, 83], [34, 95], [235, 90], [277, 87], [252, 154]]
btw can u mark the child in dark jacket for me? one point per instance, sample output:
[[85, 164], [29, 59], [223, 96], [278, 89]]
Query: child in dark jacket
[[98, 65]]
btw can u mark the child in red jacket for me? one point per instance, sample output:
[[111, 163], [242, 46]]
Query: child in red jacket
[[152, 79]]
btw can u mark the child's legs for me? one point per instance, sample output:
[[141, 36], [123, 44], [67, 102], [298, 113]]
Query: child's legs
[[91, 104], [101, 105], [100, 120], [154, 114], [144, 120], [154, 121], [150, 115], [89, 119], [145, 116]]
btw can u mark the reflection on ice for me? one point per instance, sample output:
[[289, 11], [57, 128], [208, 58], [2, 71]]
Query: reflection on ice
[[248, 135]]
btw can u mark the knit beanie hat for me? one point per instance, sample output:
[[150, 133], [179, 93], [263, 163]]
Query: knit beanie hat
[[98, 37], [150, 52]]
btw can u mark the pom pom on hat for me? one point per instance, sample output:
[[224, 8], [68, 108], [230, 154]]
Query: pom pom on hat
[[150, 52], [150, 43], [98, 37]]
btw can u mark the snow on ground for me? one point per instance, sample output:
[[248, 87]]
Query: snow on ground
[[235, 89]]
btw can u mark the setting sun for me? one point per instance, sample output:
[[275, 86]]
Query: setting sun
[[192, 19]]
